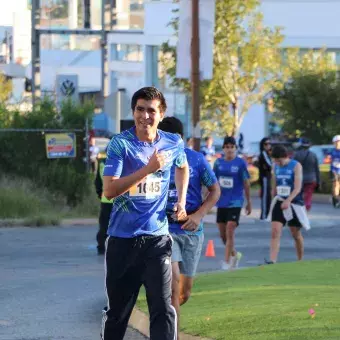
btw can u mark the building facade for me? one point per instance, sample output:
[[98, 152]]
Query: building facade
[[133, 57]]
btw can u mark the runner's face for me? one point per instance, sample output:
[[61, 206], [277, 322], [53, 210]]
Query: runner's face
[[337, 144], [229, 150], [280, 161], [147, 115]]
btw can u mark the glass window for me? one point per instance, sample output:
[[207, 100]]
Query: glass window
[[124, 52]]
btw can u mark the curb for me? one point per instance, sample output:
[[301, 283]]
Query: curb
[[140, 322], [79, 221]]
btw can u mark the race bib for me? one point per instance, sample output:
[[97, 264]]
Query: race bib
[[226, 182], [283, 190], [149, 188]]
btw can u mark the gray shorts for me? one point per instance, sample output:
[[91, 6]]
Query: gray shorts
[[186, 250]]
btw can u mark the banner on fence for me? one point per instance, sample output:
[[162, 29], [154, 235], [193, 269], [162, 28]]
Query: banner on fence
[[60, 145]]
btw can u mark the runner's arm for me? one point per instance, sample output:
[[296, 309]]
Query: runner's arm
[[214, 193], [273, 183], [115, 186], [181, 182], [208, 180], [247, 190], [297, 182], [247, 194]]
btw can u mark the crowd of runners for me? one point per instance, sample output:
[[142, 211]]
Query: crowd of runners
[[153, 186]]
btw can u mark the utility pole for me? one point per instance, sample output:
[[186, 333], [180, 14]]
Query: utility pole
[[195, 74], [35, 17]]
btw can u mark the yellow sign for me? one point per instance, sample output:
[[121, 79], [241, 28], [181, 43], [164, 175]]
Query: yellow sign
[[60, 145]]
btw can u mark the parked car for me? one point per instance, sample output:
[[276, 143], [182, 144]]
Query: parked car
[[323, 152]]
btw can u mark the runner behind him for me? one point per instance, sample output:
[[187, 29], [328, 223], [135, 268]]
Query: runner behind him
[[188, 236]]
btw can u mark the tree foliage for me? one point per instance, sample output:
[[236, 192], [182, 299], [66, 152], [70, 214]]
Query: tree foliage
[[5, 88], [309, 103], [247, 65]]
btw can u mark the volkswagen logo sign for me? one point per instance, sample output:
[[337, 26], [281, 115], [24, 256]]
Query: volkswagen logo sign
[[67, 88]]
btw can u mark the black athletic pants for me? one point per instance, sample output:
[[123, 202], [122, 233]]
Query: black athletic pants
[[266, 196], [104, 219], [130, 263]]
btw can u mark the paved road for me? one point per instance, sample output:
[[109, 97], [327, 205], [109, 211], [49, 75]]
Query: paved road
[[51, 285], [253, 238], [51, 280]]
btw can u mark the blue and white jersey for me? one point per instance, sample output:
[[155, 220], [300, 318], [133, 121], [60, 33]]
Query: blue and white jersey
[[141, 210], [201, 174], [335, 162], [285, 178], [231, 176]]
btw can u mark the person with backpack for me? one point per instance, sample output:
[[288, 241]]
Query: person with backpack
[[310, 169]]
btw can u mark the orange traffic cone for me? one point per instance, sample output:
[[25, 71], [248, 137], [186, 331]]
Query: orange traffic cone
[[210, 251]]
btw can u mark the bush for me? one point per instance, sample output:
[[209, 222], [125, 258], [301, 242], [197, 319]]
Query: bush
[[23, 153], [22, 198]]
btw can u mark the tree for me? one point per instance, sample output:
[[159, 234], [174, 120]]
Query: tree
[[5, 88], [247, 65], [309, 103]]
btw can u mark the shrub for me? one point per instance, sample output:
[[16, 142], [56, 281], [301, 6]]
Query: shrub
[[23, 153], [21, 198]]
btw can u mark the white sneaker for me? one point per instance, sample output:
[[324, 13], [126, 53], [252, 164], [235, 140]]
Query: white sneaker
[[235, 260], [225, 265]]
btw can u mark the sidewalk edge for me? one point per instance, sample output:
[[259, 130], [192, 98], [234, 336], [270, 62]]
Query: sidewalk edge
[[140, 322]]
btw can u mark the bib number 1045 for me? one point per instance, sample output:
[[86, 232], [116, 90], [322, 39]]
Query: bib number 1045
[[149, 188]]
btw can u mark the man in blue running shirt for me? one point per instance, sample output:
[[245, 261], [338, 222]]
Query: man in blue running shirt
[[335, 170], [233, 177], [288, 205], [138, 249], [188, 236]]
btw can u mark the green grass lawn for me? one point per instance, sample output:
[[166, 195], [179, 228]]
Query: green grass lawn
[[266, 303]]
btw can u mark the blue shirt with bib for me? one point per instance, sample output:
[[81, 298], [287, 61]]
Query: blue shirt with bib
[[141, 210], [335, 163], [231, 176], [285, 178], [201, 173]]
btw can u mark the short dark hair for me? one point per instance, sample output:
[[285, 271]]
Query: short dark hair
[[229, 140], [171, 124], [279, 151], [207, 138], [188, 138], [149, 93]]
